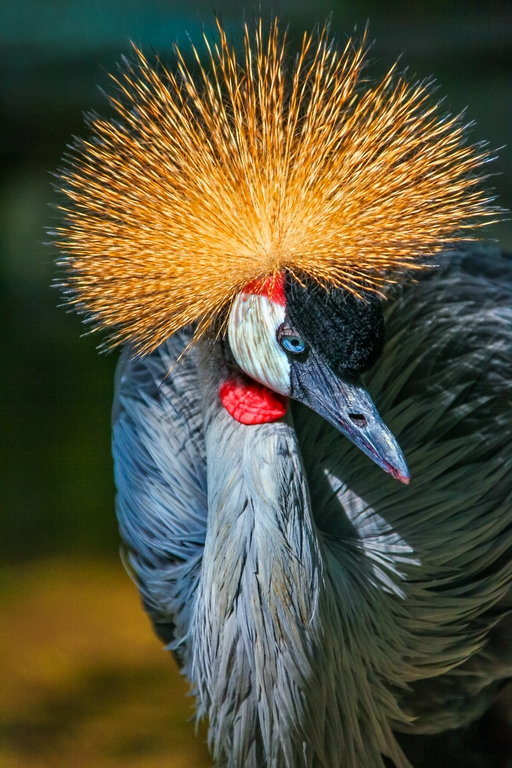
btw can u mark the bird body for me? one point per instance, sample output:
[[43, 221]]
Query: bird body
[[248, 233], [314, 603]]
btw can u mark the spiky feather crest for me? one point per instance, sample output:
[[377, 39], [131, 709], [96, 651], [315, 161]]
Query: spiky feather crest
[[204, 182]]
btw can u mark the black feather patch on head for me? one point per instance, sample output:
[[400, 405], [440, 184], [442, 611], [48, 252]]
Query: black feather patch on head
[[346, 331]]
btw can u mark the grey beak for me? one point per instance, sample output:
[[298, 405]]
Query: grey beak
[[347, 406]]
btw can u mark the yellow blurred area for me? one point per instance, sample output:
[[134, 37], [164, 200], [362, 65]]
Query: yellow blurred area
[[84, 680]]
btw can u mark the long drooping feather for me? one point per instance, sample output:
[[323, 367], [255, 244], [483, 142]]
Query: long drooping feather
[[203, 181]]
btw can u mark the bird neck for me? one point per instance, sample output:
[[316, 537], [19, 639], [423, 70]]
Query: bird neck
[[260, 579]]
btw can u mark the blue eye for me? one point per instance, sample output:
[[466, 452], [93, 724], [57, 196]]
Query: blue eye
[[293, 344]]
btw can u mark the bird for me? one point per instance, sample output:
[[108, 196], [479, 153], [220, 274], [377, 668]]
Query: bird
[[312, 418]]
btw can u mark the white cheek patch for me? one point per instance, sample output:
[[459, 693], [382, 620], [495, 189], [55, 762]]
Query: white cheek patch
[[252, 327]]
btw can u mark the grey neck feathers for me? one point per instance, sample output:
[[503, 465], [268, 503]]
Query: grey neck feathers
[[272, 669]]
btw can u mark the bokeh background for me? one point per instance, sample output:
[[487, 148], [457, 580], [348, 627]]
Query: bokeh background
[[83, 681]]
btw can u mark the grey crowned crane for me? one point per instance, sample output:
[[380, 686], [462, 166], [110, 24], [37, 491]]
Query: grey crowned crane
[[250, 231]]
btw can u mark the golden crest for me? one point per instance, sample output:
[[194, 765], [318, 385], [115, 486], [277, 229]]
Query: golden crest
[[202, 182]]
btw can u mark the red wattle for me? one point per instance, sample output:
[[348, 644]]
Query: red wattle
[[271, 287], [249, 402]]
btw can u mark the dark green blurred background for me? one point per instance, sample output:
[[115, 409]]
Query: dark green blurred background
[[56, 490]]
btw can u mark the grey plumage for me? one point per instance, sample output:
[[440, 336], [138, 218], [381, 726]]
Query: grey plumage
[[315, 604]]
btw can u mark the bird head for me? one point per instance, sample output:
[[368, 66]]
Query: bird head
[[300, 340], [271, 198]]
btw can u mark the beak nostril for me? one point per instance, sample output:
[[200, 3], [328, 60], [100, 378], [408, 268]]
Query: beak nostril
[[358, 419]]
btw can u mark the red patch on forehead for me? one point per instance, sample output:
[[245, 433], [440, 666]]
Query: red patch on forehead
[[249, 402], [271, 287]]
